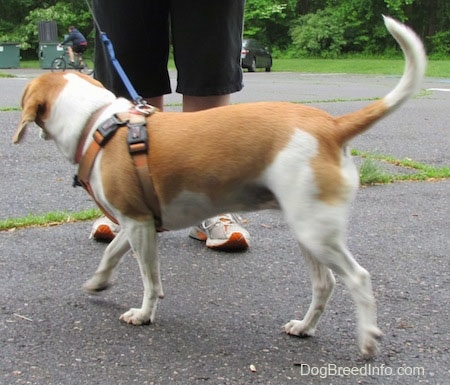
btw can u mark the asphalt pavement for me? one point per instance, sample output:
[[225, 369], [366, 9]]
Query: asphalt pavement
[[220, 322]]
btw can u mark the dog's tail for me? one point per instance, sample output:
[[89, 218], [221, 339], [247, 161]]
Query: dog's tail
[[356, 122]]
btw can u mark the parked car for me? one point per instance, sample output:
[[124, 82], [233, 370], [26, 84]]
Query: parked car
[[254, 55]]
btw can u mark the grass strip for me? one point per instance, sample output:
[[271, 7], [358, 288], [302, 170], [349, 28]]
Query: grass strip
[[49, 219], [357, 65], [372, 173]]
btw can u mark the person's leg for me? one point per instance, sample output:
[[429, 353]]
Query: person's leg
[[139, 34], [70, 52], [207, 40], [206, 79], [157, 101], [197, 103], [78, 51], [134, 30], [207, 88]]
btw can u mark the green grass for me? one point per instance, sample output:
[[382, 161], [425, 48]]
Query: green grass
[[3, 75], [371, 171], [367, 66], [49, 219]]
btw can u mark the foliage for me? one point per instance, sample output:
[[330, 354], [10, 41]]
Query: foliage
[[399, 7], [440, 43], [342, 27], [25, 32], [318, 34], [268, 21], [322, 28]]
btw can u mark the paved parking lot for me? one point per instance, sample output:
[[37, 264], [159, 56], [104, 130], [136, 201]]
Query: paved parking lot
[[223, 312]]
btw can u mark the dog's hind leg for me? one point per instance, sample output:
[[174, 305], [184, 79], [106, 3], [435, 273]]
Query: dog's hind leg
[[358, 281], [323, 281], [142, 237], [111, 257], [322, 236]]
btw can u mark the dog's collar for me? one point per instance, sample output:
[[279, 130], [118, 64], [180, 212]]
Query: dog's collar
[[86, 130]]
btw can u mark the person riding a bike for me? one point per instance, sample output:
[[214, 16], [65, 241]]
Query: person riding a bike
[[79, 45]]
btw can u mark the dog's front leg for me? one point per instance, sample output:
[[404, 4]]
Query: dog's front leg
[[111, 257], [142, 237]]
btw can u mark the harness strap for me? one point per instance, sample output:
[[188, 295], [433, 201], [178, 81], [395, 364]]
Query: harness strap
[[138, 148], [137, 140], [101, 136]]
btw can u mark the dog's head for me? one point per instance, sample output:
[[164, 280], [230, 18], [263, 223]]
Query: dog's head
[[40, 96]]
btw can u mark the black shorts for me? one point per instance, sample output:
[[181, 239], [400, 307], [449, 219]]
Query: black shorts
[[206, 37], [79, 48]]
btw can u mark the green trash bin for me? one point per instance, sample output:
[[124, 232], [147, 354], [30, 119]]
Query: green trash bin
[[47, 52], [9, 55]]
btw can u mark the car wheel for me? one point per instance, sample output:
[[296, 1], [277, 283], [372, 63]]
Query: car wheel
[[252, 67]]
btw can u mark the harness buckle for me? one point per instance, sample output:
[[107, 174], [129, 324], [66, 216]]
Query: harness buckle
[[137, 138], [107, 129]]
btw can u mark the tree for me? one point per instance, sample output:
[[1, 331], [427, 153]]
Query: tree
[[343, 26], [318, 34], [19, 21], [268, 20], [325, 28]]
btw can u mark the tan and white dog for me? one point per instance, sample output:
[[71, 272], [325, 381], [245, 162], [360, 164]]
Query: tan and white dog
[[227, 159]]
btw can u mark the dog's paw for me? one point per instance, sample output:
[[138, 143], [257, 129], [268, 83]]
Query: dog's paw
[[368, 342], [95, 284], [298, 328], [136, 317]]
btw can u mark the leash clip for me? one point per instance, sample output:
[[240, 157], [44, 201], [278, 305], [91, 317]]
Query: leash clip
[[144, 108]]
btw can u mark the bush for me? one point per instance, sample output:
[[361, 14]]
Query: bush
[[318, 34], [440, 44]]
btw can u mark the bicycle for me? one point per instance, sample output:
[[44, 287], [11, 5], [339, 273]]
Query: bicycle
[[83, 64]]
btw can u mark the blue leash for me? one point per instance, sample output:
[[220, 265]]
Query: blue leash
[[138, 100]]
